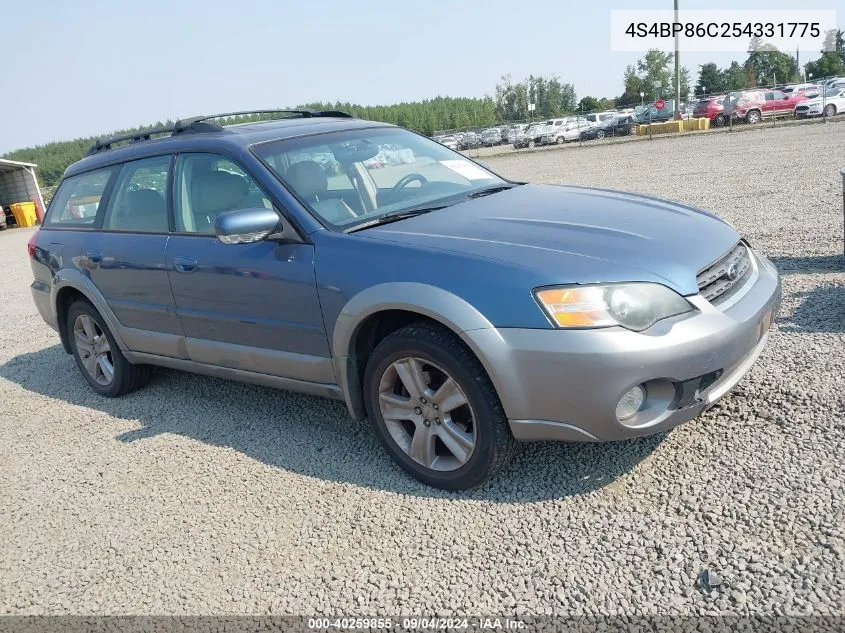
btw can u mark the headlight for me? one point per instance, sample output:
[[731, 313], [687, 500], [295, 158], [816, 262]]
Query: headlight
[[635, 306]]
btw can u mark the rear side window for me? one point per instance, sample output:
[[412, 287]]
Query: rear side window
[[78, 199], [139, 199]]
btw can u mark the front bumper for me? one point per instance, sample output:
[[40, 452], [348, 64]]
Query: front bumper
[[565, 384], [813, 110]]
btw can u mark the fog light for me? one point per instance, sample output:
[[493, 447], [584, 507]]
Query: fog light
[[630, 403]]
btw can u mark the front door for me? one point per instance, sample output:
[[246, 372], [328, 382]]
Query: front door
[[245, 306], [125, 259]]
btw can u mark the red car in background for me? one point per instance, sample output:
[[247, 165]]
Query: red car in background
[[754, 105], [711, 108]]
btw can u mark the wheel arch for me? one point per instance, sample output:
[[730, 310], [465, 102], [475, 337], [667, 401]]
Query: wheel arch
[[379, 310], [69, 285]]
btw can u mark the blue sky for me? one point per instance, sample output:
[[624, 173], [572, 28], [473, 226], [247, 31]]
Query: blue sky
[[73, 69]]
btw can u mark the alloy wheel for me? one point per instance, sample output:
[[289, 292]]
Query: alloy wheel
[[427, 414], [830, 110], [94, 349]]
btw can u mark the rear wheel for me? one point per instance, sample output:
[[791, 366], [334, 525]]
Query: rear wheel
[[752, 117], [830, 110], [97, 355], [531, 143], [434, 409]]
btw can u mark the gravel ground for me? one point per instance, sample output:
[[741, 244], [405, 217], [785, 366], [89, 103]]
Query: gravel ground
[[198, 495]]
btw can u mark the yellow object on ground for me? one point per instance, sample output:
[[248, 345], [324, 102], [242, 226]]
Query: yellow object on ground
[[669, 127], [24, 213]]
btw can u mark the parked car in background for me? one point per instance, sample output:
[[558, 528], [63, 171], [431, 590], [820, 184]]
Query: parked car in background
[[515, 132], [470, 140], [712, 108], [597, 118], [491, 136], [620, 126], [532, 137], [832, 102], [754, 105], [449, 141], [806, 87], [567, 130], [498, 311], [651, 114]]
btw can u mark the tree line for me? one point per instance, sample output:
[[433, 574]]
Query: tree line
[[653, 76]]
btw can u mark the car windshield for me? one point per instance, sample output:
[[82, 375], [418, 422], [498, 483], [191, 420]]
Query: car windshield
[[354, 177]]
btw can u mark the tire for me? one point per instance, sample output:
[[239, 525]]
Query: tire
[[829, 110], [560, 140], [752, 117], [531, 143], [719, 121], [601, 134], [436, 352], [125, 377]]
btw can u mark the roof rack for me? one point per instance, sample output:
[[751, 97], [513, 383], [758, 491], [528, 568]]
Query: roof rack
[[302, 112], [198, 124]]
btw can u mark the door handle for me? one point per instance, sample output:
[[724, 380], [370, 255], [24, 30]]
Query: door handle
[[184, 264], [94, 257]]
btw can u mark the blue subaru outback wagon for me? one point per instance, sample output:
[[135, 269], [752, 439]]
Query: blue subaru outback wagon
[[460, 312]]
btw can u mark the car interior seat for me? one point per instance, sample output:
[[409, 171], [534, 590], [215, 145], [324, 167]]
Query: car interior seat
[[142, 210], [215, 192], [309, 180]]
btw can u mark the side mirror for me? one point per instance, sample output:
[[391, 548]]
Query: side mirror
[[245, 226]]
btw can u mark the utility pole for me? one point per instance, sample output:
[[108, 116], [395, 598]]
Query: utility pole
[[677, 70]]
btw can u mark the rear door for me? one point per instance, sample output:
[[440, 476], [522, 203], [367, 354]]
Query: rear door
[[125, 258], [768, 106], [781, 103], [252, 307]]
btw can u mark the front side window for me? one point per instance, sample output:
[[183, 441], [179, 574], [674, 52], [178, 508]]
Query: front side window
[[139, 199], [207, 185], [351, 177], [78, 199]]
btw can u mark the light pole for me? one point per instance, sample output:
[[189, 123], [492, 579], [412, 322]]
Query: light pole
[[677, 69], [642, 99]]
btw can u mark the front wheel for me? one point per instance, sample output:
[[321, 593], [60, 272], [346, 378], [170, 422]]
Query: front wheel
[[531, 143], [829, 110], [719, 121], [601, 134], [434, 409]]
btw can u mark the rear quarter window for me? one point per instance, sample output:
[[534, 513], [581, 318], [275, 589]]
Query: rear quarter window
[[78, 199]]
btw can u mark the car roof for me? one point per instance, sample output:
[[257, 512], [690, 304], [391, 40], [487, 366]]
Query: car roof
[[234, 138]]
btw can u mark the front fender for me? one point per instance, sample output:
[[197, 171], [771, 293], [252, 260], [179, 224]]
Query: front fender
[[69, 278], [438, 304]]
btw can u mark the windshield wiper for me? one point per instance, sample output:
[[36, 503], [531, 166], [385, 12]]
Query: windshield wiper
[[490, 190], [394, 216]]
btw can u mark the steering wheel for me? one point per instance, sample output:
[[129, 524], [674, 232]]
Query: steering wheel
[[404, 181]]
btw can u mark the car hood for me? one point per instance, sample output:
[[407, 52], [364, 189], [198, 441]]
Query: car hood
[[567, 234]]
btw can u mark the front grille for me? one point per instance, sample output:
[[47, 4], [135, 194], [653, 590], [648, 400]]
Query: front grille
[[727, 276], [802, 108]]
